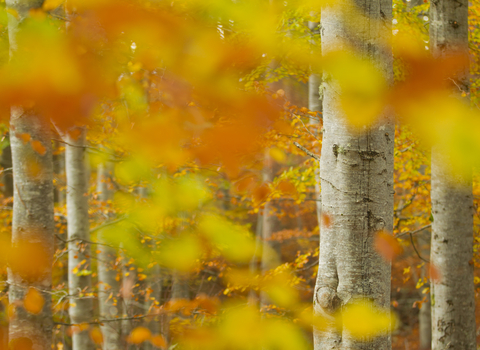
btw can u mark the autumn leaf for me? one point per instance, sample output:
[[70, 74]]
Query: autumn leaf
[[387, 245], [435, 274], [33, 301], [364, 320], [38, 147], [24, 137], [287, 187], [139, 335], [326, 220], [96, 335], [158, 341], [49, 5]]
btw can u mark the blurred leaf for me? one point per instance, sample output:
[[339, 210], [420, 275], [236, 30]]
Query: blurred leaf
[[235, 242], [387, 245], [364, 320], [139, 335], [33, 301]]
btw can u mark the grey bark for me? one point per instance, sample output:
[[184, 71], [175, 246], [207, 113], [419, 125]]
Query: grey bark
[[108, 285], [425, 326], [59, 173], [32, 228], [32, 224], [356, 179], [79, 283], [315, 104], [7, 177], [453, 296]]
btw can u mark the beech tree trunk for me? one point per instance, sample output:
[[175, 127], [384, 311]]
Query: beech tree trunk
[[79, 264], [32, 230], [453, 295], [315, 104], [356, 181], [32, 224], [108, 281]]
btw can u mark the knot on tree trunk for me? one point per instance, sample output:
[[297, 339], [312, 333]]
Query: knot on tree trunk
[[327, 299]]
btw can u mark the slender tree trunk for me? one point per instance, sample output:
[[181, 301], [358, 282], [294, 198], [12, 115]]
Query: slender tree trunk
[[315, 104], [7, 177], [357, 181], [108, 281], [32, 225], [453, 296], [79, 264], [32, 230]]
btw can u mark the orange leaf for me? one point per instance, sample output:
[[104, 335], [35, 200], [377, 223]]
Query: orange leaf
[[261, 192], [24, 137], [38, 147], [326, 220], [435, 274], [139, 335], [96, 335], [287, 187], [158, 341], [33, 301], [387, 245]]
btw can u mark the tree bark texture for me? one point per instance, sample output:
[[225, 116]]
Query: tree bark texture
[[33, 224], [108, 282], [453, 295], [32, 230], [79, 264], [356, 180], [315, 105]]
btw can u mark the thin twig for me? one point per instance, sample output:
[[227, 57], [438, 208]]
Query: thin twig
[[107, 320], [313, 155], [413, 232], [415, 248], [108, 223]]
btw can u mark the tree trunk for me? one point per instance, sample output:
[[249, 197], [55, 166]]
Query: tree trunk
[[108, 283], [32, 230], [453, 296], [315, 105], [357, 181], [32, 224], [79, 264]]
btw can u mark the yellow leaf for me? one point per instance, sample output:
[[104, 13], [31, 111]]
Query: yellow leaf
[[49, 5], [13, 12], [234, 241], [364, 320], [33, 301], [139, 335], [180, 253], [96, 335]]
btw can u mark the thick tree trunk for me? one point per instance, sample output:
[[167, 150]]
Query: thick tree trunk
[[79, 264], [453, 296], [108, 283], [357, 181], [32, 230]]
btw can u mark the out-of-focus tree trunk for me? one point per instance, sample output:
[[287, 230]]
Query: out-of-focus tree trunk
[[79, 263], [32, 225], [108, 275]]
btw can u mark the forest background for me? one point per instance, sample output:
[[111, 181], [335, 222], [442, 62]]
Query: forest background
[[200, 128]]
